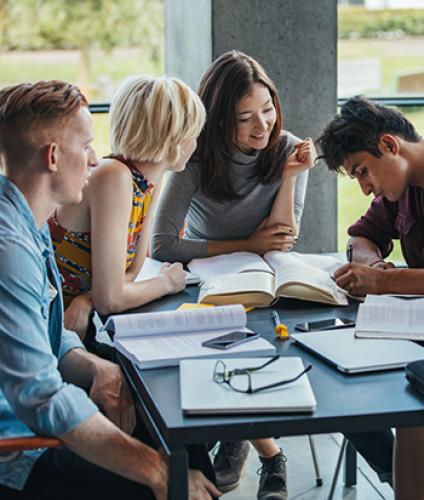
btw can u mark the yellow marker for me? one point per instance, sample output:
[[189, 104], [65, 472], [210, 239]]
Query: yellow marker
[[280, 328]]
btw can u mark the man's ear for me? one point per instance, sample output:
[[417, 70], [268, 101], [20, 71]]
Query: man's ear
[[389, 144], [51, 156]]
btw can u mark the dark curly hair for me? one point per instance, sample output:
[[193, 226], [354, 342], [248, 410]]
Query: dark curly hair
[[358, 127]]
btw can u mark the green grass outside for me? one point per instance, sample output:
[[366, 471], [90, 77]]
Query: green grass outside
[[396, 57]]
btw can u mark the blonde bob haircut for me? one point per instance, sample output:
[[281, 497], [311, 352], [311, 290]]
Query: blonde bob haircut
[[150, 117]]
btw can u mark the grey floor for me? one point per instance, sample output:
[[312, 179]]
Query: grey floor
[[301, 474]]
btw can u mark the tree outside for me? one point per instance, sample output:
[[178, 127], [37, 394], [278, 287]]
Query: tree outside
[[94, 43]]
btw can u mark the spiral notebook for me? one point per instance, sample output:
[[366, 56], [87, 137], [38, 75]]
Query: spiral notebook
[[200, 395]]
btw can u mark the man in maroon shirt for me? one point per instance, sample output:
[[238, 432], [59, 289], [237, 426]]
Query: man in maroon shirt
[[380, 148]]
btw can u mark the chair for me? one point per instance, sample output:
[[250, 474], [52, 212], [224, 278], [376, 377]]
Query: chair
[[318, 478], [28, 443]]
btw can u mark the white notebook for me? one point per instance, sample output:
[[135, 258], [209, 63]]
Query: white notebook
[[200, 395]]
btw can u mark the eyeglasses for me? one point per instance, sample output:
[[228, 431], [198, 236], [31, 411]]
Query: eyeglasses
[[223, 376]]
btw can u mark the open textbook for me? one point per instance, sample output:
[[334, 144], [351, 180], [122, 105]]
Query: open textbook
[[163, 338], [391, 317], [249, 279]]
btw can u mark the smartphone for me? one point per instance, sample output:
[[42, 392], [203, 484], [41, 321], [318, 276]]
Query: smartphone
[[230, 339], [325, 324]]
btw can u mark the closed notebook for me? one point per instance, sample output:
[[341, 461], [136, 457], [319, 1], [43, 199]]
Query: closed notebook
[[200, 395]]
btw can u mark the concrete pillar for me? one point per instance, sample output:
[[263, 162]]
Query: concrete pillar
[[296, 42]]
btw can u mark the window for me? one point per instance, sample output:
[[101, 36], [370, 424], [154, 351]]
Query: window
[[380, 54], [94, 44]]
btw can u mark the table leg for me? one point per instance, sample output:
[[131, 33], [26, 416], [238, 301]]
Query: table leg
[[178, 473], [350, 465]]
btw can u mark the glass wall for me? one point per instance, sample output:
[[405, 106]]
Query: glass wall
[[380, 54], [94, 44]]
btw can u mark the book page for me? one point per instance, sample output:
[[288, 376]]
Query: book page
[[239, 283], [231, 263], [172, 322], [388, 314], [294, 269], [327, 263]]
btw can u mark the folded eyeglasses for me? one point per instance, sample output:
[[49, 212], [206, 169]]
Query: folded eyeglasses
[[223, 376]]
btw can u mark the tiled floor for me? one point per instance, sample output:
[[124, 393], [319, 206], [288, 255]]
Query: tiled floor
[[301, 474]]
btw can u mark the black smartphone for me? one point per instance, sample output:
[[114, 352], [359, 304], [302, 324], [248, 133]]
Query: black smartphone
[[230, 339], [325, 324]]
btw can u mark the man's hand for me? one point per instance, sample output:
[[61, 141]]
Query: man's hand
[[111, 393], [359, 280], [302, 158], [200, 488], [382, 264], [275, 237], [77, 315]]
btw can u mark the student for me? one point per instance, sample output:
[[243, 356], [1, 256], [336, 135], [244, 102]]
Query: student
[[45, 149], [243, 190], [380, 148], [101, 243]]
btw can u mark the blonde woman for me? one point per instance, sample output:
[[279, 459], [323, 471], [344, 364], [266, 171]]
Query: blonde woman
[[101, 243]]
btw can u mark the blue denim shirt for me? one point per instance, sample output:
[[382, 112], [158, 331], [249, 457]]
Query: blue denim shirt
[[33, 396]]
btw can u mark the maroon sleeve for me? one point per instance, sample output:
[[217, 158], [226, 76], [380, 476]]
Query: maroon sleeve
[[378, 224]]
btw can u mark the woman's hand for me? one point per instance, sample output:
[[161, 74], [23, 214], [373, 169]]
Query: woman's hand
[[77, 315], [275, 237], [302, 158], [175, 276]]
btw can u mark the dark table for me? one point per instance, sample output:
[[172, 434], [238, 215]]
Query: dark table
[[345, 403]]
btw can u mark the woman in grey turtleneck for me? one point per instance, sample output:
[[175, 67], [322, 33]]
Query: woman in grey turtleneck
[[246, 168], [243, 191]]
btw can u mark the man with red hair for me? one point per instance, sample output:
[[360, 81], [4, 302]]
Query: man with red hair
[[45, 374]]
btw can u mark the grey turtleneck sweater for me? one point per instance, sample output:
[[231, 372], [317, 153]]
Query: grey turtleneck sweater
[[182, 201]]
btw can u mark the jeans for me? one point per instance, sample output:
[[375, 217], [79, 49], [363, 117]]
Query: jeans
[[377, 449]]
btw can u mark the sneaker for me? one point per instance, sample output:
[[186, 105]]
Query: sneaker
[[273, 481], [228, 464]]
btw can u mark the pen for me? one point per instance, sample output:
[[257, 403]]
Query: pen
[[280, 328], [349, 253]]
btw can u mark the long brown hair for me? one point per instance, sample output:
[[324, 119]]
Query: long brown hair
[[228, 79]]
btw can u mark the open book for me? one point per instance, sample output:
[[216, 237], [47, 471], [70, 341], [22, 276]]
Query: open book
[[156, 339], [249, 279], [391, 317]]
